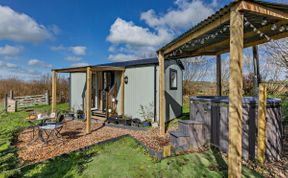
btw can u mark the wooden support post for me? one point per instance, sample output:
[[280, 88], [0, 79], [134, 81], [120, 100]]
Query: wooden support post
[[88, 99], [235, 94], [218, 75], [106, 95], [54, 83], [162, 102], [101, 90], [256, 69], [261, 123], [122, 86]]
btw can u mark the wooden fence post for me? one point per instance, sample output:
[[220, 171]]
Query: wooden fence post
[[6, 102], [261, 123], [47, 97], [11, 94]]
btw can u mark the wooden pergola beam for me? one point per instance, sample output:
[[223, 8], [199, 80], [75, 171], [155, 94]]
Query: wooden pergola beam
[[262, 10], [218, 76], [93, 69], [88, 99], [235, 94], [162, 101], [99, 69], [219, 21], [207, 49], [54, 89]]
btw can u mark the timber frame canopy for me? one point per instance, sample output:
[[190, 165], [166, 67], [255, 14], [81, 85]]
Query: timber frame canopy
[[241, 24], [88, 70], [213, 33]]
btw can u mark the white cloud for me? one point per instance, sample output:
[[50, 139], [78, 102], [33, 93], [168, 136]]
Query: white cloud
[[73, 58], [121, 57], [39, 63], [7, 65], [57, 48], [81, 64], [130, 41], [78, 50], [127, 32], [20, 27], [187, 14], [8, 50]]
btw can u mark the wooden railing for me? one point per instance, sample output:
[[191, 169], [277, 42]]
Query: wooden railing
[[112, 94]]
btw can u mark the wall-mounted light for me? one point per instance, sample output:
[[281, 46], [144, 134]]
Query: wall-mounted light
[[125, 79]]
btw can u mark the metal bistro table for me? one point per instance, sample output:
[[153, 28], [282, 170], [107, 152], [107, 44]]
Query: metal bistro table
[[37, 132]]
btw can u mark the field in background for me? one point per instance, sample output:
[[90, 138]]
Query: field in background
[[35, 87]]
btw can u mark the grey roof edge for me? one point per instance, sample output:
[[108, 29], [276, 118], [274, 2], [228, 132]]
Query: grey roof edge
[[127, 64]]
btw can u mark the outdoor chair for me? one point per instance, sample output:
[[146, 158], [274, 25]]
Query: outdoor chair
[[55, 128]]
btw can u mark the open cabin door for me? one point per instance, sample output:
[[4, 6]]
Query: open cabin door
[[108, 82]]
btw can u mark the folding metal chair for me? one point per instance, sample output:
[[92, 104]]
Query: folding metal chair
[[55, 128]]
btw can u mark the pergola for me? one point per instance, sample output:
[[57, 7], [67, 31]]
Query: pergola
[[241, 24], [89, 70]]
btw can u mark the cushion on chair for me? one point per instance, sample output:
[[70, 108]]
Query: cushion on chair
[[51, 126]]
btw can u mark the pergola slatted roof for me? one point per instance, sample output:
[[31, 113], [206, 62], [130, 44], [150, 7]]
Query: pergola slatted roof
[[274, 13]]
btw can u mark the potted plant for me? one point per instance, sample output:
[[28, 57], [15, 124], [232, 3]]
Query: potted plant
[[147, 123]]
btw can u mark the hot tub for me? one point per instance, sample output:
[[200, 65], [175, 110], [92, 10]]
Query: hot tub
[[213, 112]]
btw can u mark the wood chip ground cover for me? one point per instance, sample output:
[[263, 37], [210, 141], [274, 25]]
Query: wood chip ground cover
[[74, 138]]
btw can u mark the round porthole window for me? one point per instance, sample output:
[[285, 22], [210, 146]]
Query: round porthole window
[[125, 79]]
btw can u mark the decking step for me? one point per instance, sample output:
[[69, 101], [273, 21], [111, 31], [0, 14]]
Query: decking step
[[178, 133], [98, 113]]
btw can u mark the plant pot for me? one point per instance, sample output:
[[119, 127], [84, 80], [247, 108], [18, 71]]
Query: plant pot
[[136, 122], [112, 120], [146, 124], [122, 121], [128, 122]]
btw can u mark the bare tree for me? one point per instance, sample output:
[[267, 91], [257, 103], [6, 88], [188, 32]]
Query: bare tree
[[277, 51]]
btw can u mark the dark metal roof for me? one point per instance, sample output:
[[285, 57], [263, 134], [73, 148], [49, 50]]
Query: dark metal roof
[[221, 12], [132, 63], [127, 64]]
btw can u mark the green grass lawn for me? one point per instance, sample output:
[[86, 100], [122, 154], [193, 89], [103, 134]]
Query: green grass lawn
[[125, 158], [10, 124]]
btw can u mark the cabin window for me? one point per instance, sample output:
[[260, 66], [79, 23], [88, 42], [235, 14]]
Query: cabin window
[[173, 79]]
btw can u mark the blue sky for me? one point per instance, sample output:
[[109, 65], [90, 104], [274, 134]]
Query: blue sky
[[37, 35]]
